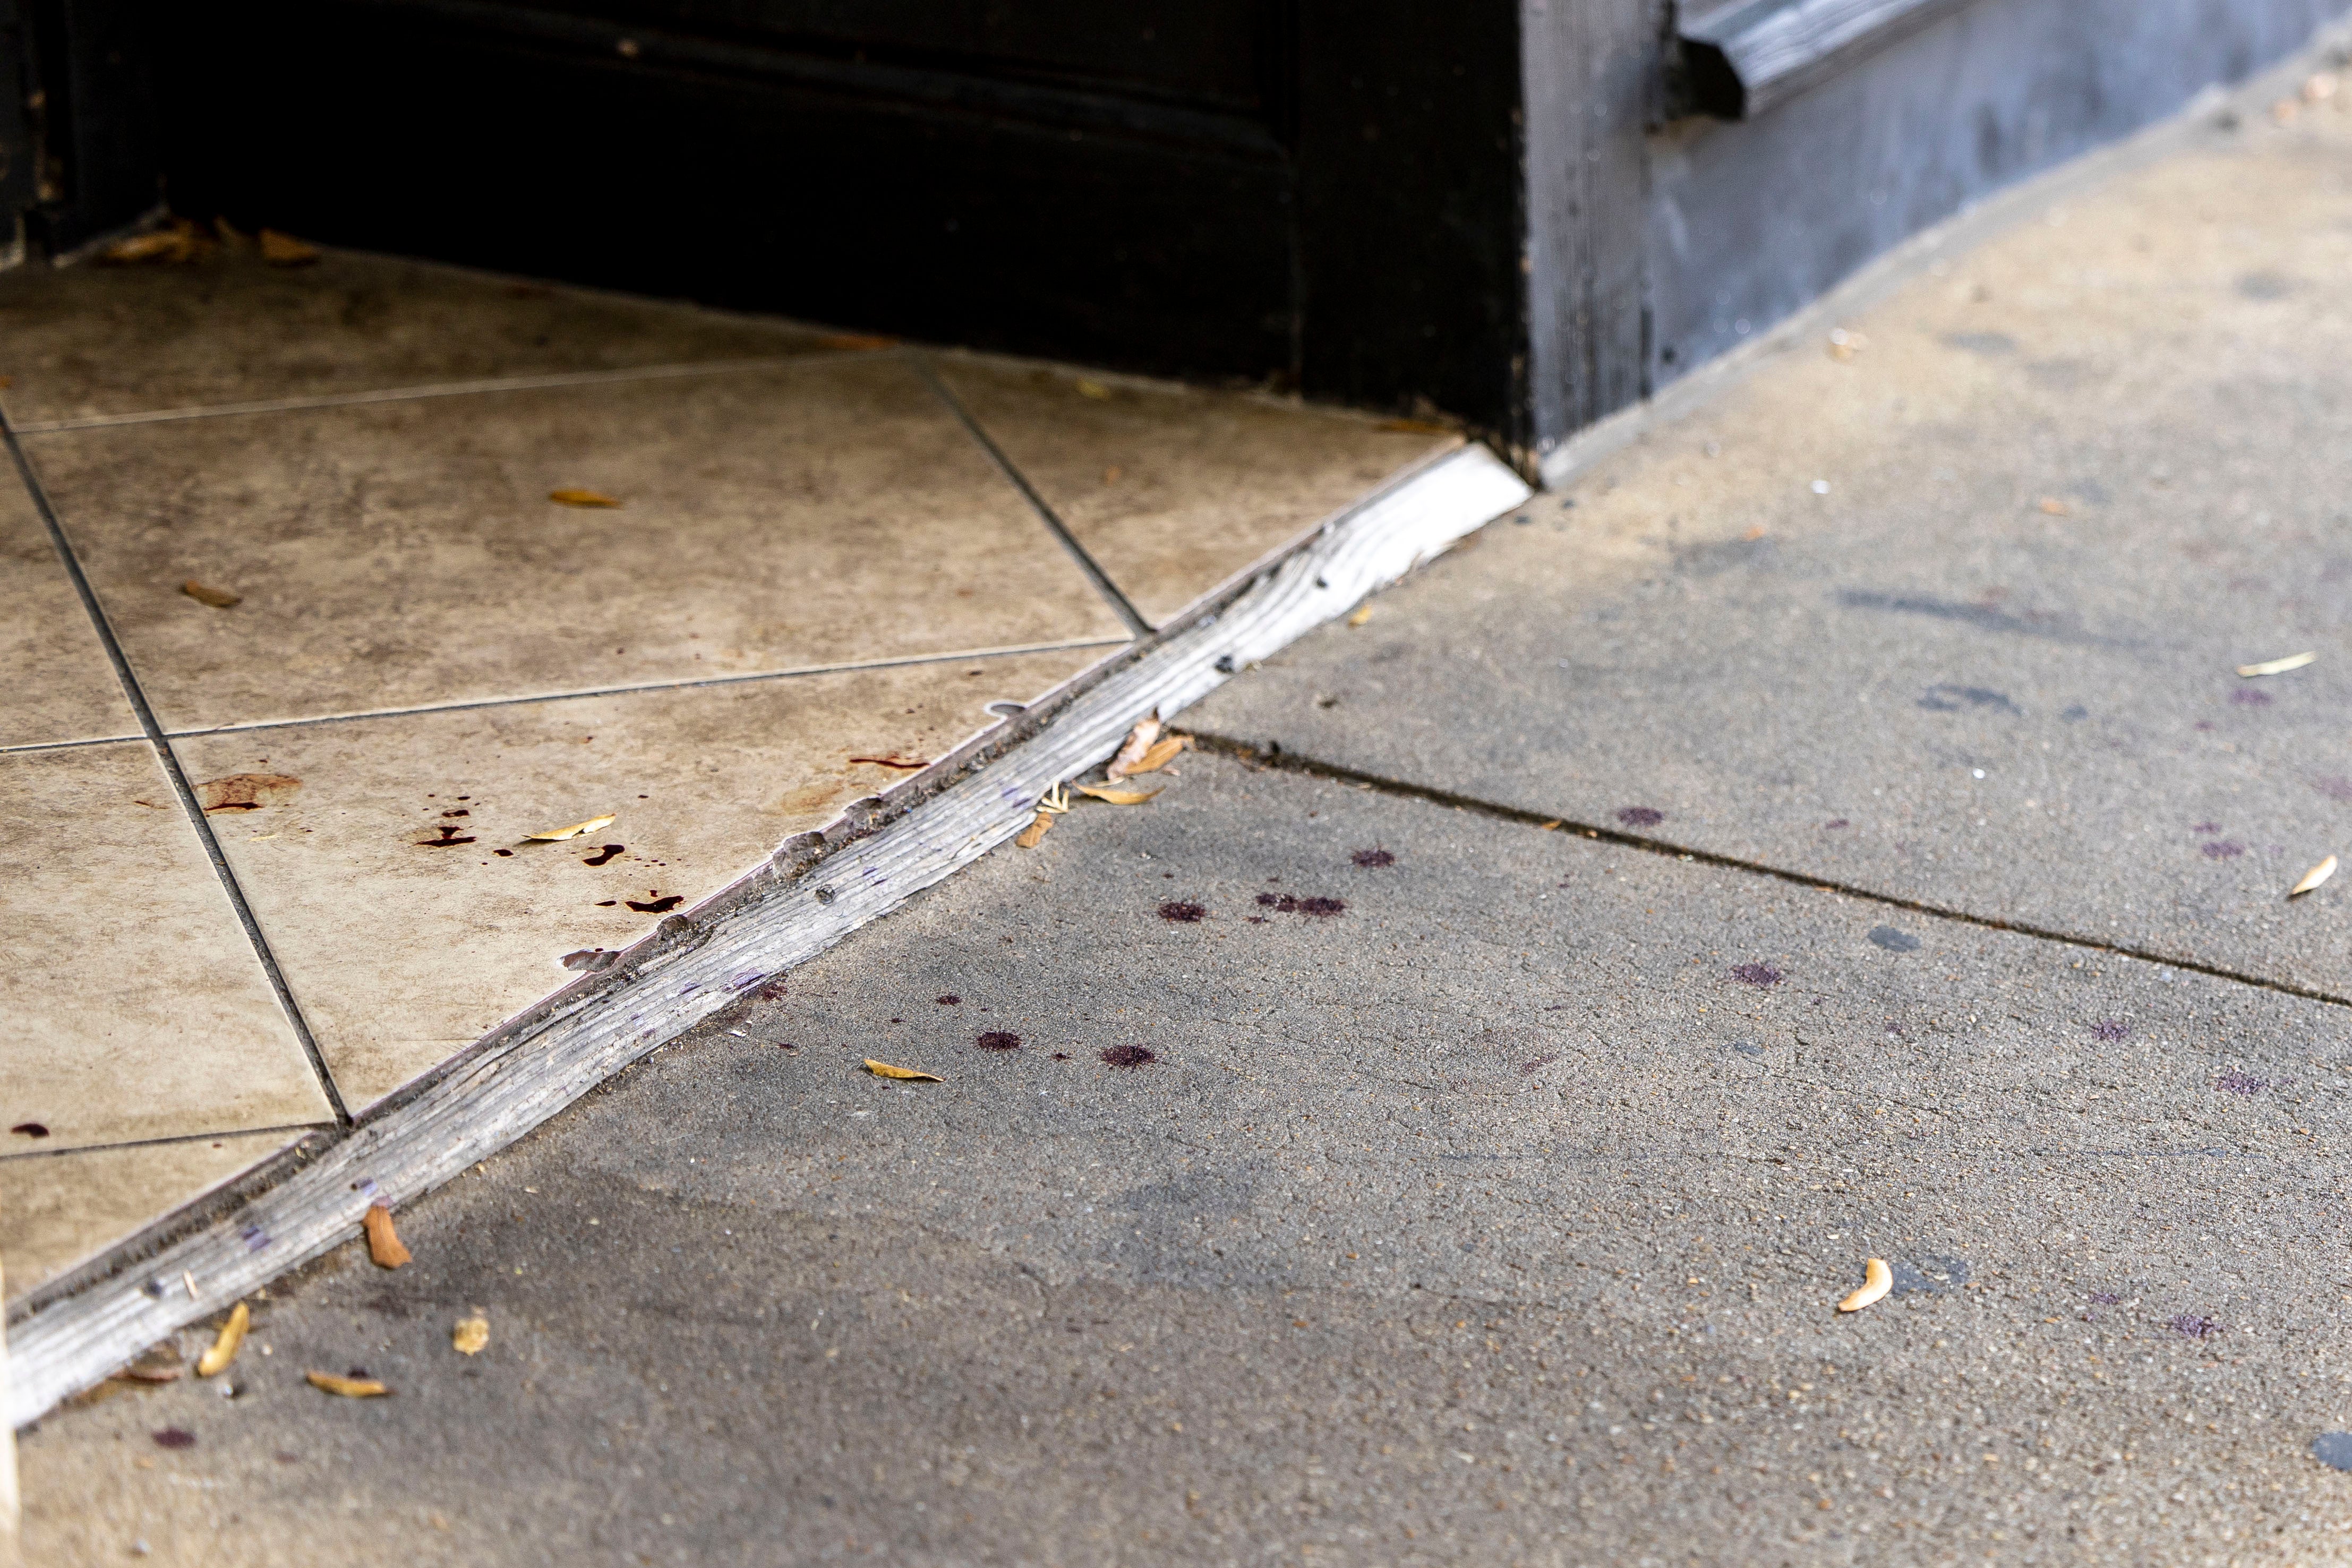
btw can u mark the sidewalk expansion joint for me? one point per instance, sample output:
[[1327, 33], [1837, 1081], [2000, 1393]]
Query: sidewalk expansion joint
[[1274, 757]]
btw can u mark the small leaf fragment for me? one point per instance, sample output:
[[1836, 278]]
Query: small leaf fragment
[[1095, 390], [225, 1344], [203, 593], [1877, 1279], [580, 498], [1138, 743], [1118, 797], [1163, 751], [2276, 666], [1360, 616], [281, 249], [383, 1242], [1035, 830], [348, 1387], [470, 1335], [556, 835], [2314, 877], [884, 1070]]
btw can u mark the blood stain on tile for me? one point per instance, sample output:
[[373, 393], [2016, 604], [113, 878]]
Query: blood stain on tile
[[1641, 816], [1757, 975], [1183, 913], [604, 854], [1129, 1056], [658, 902], [1370, 858], [998, 1039]]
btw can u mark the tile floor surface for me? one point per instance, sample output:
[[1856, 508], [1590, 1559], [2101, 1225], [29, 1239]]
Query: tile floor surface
[[829, 557]]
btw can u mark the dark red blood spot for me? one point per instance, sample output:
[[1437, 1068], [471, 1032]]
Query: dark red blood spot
[[1757, 975], [447, 840], [997, 1040], [460, 811], [30, 1130], [1128, 1056], [2222, 850], [1061, 1056], [1255, 919], [504, 853], [357, 1372], [1288, 904], [602, 855], [1839, 822], [897, 1021], [174, 1437], [1373, 858], [2110, 1029], [1641, 816], [606, 902], [950, 1000], [770, 991], [658, 905], [1181, 913]]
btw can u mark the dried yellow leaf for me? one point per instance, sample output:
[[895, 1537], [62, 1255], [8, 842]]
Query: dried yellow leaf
[[203, 593], [1164, 751], [1138, 741], [1877, 1281], [383, 1242], [557, 835], [349, 1387], [1035, 830], [225, 1343], [1095, 390], [1118, 797], [2314, 877], [581, 498], [470, 1335], [2276, 666], [180, 243], [884, 1070], [1360, 616], [284, 250]]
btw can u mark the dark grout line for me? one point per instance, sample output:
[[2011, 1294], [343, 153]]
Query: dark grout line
[[1020, 481], [551, 380], [153, 730], [1292, 762], [288, 1130], [849, 667], [69, 744]]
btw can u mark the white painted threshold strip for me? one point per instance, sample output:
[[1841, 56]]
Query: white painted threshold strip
[[489, 1102]]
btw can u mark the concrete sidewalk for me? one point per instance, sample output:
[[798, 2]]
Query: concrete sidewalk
[[1917, 892]]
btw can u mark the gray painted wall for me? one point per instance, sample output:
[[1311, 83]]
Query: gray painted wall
[[1747, 222]]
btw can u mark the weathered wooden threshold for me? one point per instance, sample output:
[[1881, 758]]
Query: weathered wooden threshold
[[817, 889]]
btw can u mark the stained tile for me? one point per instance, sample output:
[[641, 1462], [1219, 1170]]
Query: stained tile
[[406, 934], [406, 554], [95, 340], [58, 1211], [136, 1004], [1172, 490], [61, 686]]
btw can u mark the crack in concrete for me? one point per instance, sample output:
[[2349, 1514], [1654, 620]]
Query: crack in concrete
[[1274, 757]]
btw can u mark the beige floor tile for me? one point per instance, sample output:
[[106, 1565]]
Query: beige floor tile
[[135, 1006], [60, 684], [56, 1211], [95, 340], [1172, 489], [402, 951], [406, 554]]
